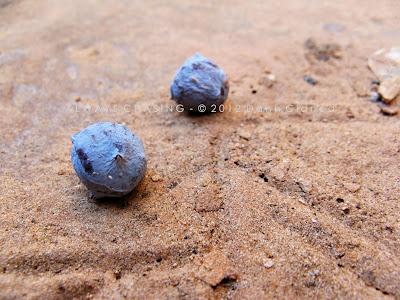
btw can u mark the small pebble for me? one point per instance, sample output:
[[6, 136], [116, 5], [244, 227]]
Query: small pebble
[[156, 178], [374, 96], [390, 88], [102, 152], [388, 110], [346, 209], [271, 77], [302, 201], [310, 80], [267, 81], [375, 82], [315, 272], [117, 274], [385, 63], [268, 263], [200, 85]]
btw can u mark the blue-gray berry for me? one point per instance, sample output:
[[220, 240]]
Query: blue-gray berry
[[200, 85], [108, 158]]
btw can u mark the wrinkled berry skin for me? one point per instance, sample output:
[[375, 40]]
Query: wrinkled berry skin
[[200, 85], [108, 158]]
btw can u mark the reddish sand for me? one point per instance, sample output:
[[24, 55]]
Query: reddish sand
[[297, 203]]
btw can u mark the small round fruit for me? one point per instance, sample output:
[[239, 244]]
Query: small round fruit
[[108, 158], [200, 85]]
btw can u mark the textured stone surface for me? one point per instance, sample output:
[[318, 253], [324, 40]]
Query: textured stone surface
[[108, 159], [200, 85], [386, 66], [279, 195]]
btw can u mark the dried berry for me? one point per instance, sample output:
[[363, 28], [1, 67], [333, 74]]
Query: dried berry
[[200, 85], [108, 158]]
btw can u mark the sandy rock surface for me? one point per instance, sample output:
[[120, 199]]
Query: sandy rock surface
[[291, 193]]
